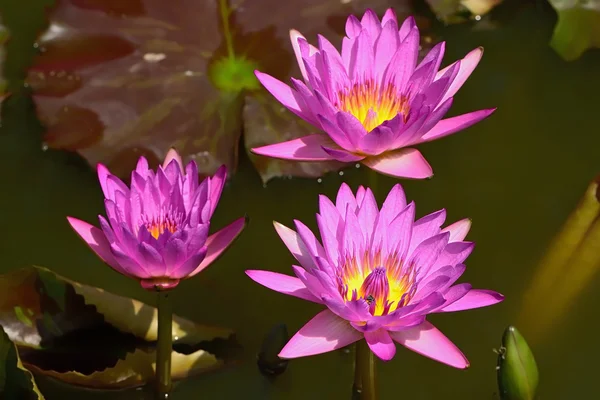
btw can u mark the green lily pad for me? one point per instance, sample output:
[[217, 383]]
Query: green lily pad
[[577, 29], [16, 382], [89, 337]]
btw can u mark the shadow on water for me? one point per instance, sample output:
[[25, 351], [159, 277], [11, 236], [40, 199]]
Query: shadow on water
[[517, 175]]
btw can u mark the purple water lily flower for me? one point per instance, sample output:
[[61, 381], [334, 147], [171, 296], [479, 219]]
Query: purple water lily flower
[[373, 100], [379, 273], [157, 230]]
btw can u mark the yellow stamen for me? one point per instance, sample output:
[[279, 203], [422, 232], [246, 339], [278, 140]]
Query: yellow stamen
[[157, 228], [355, 273], [373, 104]]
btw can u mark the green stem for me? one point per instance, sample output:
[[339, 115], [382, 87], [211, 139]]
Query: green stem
[[225, 12], [364, 372], [164, 346], [372, 179]]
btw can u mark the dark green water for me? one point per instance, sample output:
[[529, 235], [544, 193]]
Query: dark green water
[[517, 175]]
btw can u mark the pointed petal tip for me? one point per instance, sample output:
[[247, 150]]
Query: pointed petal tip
[[221, 172], [172, 154], [295, 34]]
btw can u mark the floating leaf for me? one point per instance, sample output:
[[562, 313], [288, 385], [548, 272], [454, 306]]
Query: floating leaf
[[136, 369], [16, 382], [577, 29], [517, 369], [87, 336], [450, 11], [115, 80]]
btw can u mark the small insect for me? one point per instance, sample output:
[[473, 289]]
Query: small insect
[[369, 299]]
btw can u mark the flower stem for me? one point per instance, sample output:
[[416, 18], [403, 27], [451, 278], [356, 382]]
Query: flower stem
[[372, 179], [364, 372], [164, 346]]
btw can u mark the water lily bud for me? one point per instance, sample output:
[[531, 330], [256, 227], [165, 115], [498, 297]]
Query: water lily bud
[[268, 360], [517, 370]]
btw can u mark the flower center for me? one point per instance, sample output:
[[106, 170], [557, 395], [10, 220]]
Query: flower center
[[385, 288], [373, 104], [159, 226]]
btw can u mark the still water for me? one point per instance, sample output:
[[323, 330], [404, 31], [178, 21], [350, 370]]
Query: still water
[[517, 175]]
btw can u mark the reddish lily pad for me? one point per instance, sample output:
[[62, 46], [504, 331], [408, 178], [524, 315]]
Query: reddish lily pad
[[114, 80], [86, 336]]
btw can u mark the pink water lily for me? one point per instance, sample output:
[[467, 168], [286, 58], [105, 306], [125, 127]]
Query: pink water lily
[[156, 231], [374, 100], [379, 273]]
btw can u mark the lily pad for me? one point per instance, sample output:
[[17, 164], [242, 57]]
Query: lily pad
[[89, 337], [577, 29], [115, 80], [16, 382]]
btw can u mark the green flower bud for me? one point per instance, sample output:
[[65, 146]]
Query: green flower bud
[[517, 370]]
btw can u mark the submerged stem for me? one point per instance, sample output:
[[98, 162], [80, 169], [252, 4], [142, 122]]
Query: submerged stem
[[164, 346], [364, 372], [225, 12]]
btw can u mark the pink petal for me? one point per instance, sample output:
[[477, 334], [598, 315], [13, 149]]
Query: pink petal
[[426, 227], [325, 332], [282, 92], [386, 47], [294, 36], [110, 184], [394, 204], [381, 344], [408, 25], [476, 298], [455, 253], [103, 174], [344, 199], [295, 245], [353, 27], [390, 15], [307, 148], [342, 155], [394, 236], [467, 66], [96, 239], [368, 213], [218, 242], [371, 23], [428, 341], [309, 239], [328, 221], [217, 182], [402, 163], [402, 64], [449, 126], [458, 230], [283, 284], [173, 155], [362, 57]]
